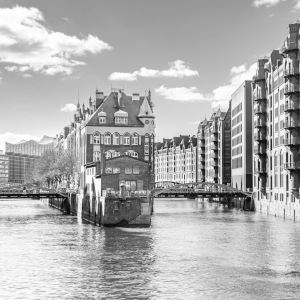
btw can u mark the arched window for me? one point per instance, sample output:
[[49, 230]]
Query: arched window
[[96, 156], [107, 138], [126, 139], [96, 138], [116, 139], [135, 139]]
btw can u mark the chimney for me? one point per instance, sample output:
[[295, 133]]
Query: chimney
[[99, 98]]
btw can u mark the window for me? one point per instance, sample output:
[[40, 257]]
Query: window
[[115, 154], [134, 154], [116, 139], [121, 120], [130, 185], [128, 170], [136, 170], [135, 139], [108, 154], [102, 120], [146, 149], [126, 139], [96, 156], [107, 138], [96, 138]]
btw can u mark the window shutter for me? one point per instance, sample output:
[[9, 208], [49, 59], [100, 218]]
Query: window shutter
[[91, 139]]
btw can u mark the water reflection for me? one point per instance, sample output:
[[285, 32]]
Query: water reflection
[[194, 250]]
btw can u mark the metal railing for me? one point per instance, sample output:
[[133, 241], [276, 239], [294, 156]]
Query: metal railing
[[259, 109], [291, 106], [259, 123], [291, 142], [260, 170], [290, 124], [291, 88], [292, 165]]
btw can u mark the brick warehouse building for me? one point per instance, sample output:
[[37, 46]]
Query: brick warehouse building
[[118, 131]]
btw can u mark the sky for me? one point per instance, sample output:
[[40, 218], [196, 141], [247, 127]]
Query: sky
[[191, 54]]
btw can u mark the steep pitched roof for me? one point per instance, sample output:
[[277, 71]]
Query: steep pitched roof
[[145, 109], [110, 107]]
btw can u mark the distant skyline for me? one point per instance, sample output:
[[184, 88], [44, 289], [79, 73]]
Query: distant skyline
[[191, 54]]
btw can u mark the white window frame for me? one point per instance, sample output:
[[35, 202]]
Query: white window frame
[[96, 138], [135, 139], [107, 139]]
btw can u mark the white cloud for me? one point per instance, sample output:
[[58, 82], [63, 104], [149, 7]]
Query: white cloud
[[27, 75], [177, 69], [14, 138], [219, 96], [26, 43], [267, 3], [180, 93], [296, 8], [69, 108]]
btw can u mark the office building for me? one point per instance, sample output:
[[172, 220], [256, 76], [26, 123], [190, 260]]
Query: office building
[[242, 137]]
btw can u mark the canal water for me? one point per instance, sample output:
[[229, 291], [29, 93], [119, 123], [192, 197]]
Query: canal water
[[192, 251]]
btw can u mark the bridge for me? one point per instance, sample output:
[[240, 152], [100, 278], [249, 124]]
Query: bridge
[[213, 191], [20, 191]]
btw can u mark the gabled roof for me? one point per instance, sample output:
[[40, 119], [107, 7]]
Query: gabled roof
[[110, 107], [145, 109]]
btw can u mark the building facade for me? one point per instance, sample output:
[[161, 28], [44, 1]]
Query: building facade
[[276, 127], [176, 160], [3, 167], [20, 166], [32, 147], [242, 137], [214, 148], [118, 132]]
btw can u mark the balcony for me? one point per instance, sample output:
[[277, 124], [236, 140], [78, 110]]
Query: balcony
[[202, 166], [288, 46], [259, 97], [260, 170], [201, 144], [290, 106], [291, 72], [258, 109], [214, 139], [202, 159], [262, 189], [290, 124], [214, 147], [214, 164], [214, 129], [201, 136], [291, 142], [260, 137], [292, 165], [258, 150], [259, 123], [214, 174], [259, 77], [202, 152], [214, 156], [291, 88]]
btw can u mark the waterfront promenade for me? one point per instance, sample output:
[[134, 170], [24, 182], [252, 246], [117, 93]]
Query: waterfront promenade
[[193, 250]]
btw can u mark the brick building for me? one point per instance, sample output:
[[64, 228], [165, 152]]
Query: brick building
[[276, 129], [176, 160]]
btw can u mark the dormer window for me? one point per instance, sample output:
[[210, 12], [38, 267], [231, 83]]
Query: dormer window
[[121, 117], [102, 117], [102, 120], [121, 120]]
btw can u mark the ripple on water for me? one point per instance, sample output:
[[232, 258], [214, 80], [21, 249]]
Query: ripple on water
[[192, 251]]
